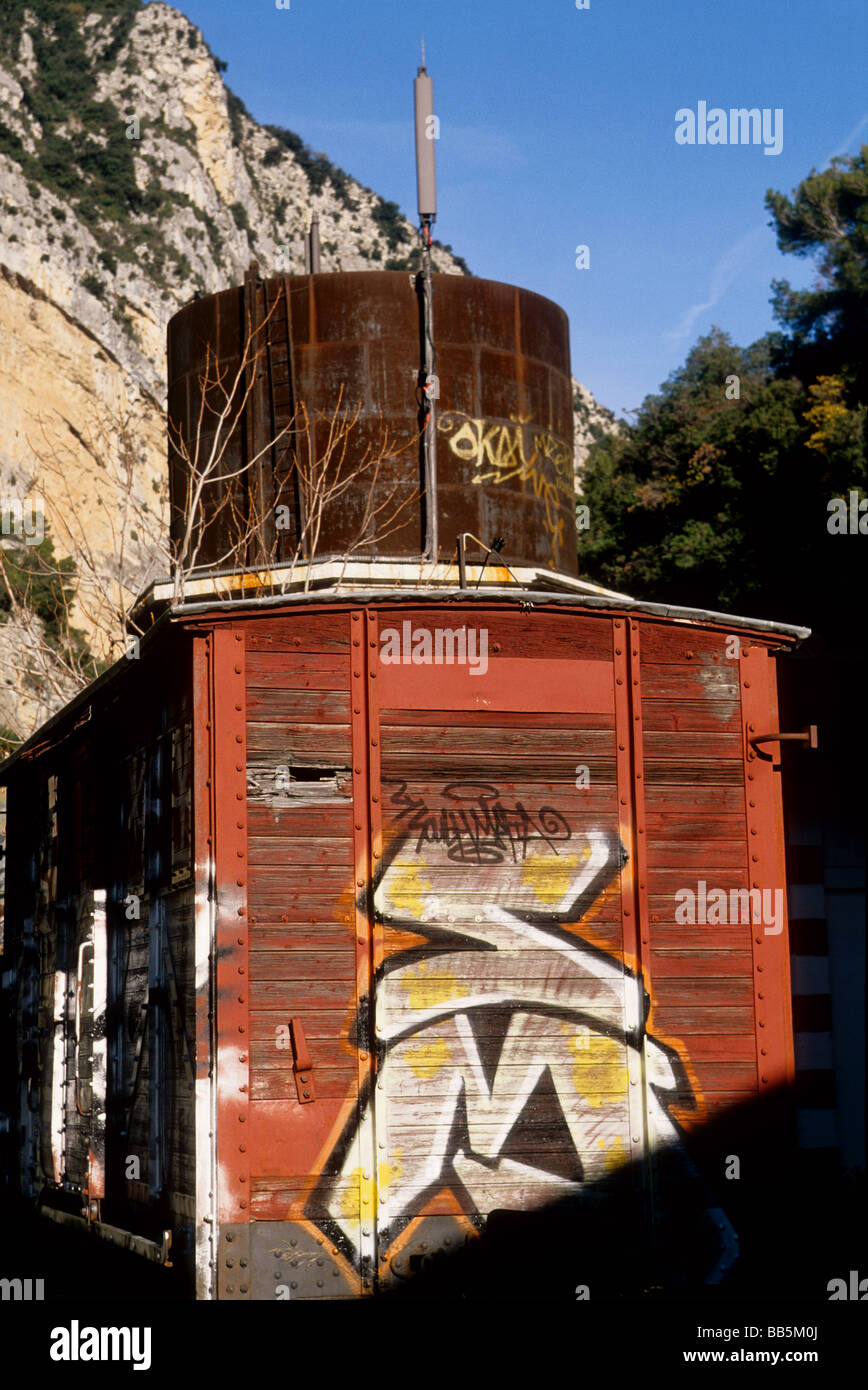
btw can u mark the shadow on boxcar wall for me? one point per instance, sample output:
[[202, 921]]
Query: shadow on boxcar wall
[[799, 1226], [517, 1064]]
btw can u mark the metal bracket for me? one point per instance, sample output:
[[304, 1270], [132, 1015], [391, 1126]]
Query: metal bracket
[[493, 549], [291, 1262], [302, 1066], [808, 736], [233, 1269]]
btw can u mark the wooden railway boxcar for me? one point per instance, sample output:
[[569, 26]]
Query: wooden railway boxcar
[[337, 922]]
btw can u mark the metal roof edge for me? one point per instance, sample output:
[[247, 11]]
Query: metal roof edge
[[109, 675], [176, 615], [605, 599]]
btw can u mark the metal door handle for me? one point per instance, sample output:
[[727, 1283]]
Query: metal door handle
[[808, 736], [302, 1066]]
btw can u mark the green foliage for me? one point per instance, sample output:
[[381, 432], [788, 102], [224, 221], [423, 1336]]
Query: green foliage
[[390, 222], [239, 214], [317, 168], [83, 156], [85, 159], [717, 495], [46, 585], [237, 110], [412, 261], [340, 182], [9, 741], [827, 218], [582, 411], [215, 240], [93, 285], [459, 260]]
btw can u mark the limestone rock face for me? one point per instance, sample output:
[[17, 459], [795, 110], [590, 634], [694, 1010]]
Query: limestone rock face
[[591, 421], [132, 179]]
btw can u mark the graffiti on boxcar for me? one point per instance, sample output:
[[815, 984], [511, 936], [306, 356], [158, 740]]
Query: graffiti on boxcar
[[476, 826], [507, 1043]]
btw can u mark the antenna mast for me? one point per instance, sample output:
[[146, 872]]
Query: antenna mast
[[426, 190]]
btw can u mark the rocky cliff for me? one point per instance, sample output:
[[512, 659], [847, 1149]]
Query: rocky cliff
[[131, 179]]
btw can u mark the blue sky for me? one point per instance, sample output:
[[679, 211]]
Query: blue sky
[[557, 128]]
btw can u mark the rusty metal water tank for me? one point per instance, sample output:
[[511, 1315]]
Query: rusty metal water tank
[[502, 398]]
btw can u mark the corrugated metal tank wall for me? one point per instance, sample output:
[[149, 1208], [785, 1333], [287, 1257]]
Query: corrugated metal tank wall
[[503, 410]]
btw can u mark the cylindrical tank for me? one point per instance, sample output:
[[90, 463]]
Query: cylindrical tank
[[351, 349]]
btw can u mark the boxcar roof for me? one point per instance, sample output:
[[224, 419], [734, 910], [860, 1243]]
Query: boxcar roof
[[193, 614]]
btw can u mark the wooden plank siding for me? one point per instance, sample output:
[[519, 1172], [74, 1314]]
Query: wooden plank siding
[[429, 824], [700, 977], [504, 1063], [455, 889], [301, 860], [111, 899]]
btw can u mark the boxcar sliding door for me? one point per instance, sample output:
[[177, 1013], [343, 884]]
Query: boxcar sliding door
[[507, 1019]]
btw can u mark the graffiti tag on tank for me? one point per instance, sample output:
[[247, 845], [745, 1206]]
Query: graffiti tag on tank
[[500, 450], [506, 1043]]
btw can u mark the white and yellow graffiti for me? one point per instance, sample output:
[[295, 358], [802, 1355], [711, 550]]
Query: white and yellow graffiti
[[501, 1003]]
